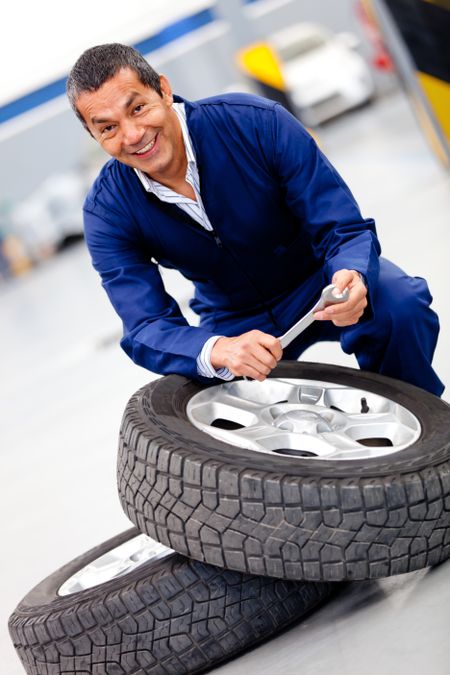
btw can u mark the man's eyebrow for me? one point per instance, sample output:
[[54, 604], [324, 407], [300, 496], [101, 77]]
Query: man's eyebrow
[[97, 120], [128, 102]]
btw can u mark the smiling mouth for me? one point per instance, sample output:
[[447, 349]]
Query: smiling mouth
[[147, 147]]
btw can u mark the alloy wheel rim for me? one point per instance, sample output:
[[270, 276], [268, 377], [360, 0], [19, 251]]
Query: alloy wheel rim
[[117, 562], [304, 419]]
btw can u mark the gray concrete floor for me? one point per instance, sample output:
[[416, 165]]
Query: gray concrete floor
[[64, 383]]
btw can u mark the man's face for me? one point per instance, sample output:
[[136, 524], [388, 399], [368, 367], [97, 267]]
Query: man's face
[[134, 124]]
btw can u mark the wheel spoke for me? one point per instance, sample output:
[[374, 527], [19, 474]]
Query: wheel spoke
[[115, 563], [246, 437], [345, 447], [240, 403]]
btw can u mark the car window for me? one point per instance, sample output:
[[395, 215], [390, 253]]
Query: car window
[[303, 46]]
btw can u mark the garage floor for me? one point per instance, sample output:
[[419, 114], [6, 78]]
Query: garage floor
[[64, 384]]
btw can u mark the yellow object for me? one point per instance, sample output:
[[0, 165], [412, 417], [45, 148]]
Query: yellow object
[[14, 251], [438, 94], [428, 128], [367, 6], [445, 4], [261, 62]]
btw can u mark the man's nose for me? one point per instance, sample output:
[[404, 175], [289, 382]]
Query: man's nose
[[132, 133]]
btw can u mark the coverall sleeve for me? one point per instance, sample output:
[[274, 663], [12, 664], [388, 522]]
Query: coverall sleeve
[[316, 193], [156, 334]]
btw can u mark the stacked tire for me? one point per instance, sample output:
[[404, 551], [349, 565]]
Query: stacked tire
[[169, 615], [255, 540]]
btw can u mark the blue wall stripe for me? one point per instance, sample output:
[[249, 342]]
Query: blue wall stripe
[[58, 87], [33, 99], [175, 31]]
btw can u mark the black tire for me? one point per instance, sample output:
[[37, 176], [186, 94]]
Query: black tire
[[283, 517], [168, 616]]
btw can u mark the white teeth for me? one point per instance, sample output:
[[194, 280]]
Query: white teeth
[[148, 147]]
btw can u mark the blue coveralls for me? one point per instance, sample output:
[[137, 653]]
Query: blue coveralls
[[284, 221]]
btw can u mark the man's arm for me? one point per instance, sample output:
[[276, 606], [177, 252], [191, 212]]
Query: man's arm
[[156, 334], [204, 365], [253, 354], [314, 191], [342, 239], [349, 312]]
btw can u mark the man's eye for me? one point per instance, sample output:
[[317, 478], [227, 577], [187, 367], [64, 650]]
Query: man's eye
[[139, 107], [108, 129]]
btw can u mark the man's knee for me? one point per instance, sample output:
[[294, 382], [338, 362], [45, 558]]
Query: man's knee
[[399, 299], [400, 311], [406, 301], [399, 339]]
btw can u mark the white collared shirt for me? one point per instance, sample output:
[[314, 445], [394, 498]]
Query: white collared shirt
[[196, 210]]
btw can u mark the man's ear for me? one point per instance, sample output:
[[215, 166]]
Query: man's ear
[[166, 89]]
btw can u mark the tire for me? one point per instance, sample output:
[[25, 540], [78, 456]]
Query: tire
[[291, 518], [168, 616]]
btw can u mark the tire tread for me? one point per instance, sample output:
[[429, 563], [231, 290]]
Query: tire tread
[[276, 524], [185, 617]]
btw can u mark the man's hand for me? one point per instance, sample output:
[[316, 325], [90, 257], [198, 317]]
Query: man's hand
[[349, 312], [253, 354]]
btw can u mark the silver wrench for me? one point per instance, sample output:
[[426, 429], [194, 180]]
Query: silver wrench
[[329, 296]]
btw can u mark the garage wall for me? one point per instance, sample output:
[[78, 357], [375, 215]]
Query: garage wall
[[199, 64]]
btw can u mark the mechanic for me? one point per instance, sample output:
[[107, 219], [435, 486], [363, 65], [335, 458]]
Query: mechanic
[[234, 193]]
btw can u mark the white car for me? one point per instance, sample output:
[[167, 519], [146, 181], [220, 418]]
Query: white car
[[324, 74], [51, 216]]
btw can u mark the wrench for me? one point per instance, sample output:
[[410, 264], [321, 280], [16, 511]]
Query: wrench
[[329, 296]]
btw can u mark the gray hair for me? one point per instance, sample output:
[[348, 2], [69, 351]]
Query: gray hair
[[99, 64]]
